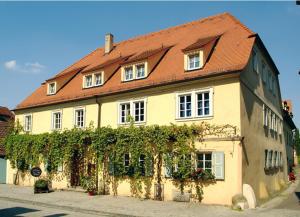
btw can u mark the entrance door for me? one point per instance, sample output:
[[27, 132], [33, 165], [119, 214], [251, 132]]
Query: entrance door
[[2, 170], [77, 168]]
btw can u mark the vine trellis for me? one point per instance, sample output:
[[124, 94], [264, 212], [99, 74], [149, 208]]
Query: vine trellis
[[107, 147]]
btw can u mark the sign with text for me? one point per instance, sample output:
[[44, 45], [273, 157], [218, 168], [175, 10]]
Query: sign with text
[[36, 171]]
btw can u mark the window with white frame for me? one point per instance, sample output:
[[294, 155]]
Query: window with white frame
[[124, 112], [52, 88], [194, 104], [280, 159], [212, 162], [134, 108], [128, 73], [56, 120], [266, 159], [79, 117], [142, 164], [193, 61], [185, 106], [140, 71], [27, 123], [88, 81], [139, 111], [203, 101], [98, 79], [274, 159], [255, 61]]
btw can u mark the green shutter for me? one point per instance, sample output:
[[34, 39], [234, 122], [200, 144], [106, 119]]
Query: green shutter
[[218, 165]]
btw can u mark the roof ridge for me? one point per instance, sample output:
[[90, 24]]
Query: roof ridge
[[172, 28]]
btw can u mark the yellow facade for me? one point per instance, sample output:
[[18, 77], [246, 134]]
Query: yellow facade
[[236, 100]]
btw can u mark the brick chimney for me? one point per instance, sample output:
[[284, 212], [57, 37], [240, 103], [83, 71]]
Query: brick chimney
[[109, 43]]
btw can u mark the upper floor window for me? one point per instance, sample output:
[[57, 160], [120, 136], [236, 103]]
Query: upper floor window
[[92, 80], [194, 61], [56, 120], [194, 104], [28, 123], [128, 73], [134, 71], [135, 109], [79, 117], [255, 61], [265, 115], [52, 88], [88, 81], [185, 106], [98, 79], [270, 80], [140, 71], [124, 112]]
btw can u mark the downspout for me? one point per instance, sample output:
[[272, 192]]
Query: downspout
[[98, 126]]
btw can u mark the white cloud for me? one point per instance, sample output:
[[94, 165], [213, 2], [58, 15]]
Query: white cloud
[[31, 68], [10, 65]]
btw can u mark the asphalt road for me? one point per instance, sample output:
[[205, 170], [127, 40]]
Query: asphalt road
[[292, 202]]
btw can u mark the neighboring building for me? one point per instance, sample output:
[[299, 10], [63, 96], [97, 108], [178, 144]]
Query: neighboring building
[[214, 69], [6, 118], [289, 131]]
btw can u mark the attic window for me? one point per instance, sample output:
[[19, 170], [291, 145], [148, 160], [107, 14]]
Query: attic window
[[128, 73], [193, 60], [93, 80], [140, 71], [52, 88]]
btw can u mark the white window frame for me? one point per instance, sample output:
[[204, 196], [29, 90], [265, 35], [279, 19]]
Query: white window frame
[[27, 128], [75, 117], [136, 70], [49, 88], [132, 110], [85, 81], [53, 119], [194, 103], [204, 160], [185, 111], [132, 68], [265, 115], [188, 60], [101, 74]]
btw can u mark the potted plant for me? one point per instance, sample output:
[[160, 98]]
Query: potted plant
[[41, 186], [88, 183]]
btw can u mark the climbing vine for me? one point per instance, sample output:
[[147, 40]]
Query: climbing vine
[[136, 153]]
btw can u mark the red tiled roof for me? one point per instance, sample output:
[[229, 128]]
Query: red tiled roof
[[6, 112], [231, 53]]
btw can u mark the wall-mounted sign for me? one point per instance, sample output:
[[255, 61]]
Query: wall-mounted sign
[[36, 171]]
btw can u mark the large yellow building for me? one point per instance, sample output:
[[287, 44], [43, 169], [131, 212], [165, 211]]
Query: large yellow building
[[214, 69]]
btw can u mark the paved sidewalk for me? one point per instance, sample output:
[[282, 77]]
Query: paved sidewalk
[[126, 206]]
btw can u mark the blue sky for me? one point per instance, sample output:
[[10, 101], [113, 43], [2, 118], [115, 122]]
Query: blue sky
[[39, 39]]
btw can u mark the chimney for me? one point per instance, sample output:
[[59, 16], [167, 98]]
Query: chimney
[[109, 43]]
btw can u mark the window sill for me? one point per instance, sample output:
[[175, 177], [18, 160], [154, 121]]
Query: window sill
[[191, 70], [135, 123], [209, 117], [99, 85]]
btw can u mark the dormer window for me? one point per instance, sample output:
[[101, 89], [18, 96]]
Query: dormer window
[[98, 79], [193, 60], [140, 71], [88, 81], [93, 80], [135, 71], [52, 88], [128, 73]]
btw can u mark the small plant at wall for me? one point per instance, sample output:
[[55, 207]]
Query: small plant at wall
[[135, 153], [88, 183]]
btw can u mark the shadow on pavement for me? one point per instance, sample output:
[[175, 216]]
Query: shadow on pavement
[[298, 195], [19, 211], [16, 211]]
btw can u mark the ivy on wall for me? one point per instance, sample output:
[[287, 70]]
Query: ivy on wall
[[147, 150]]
